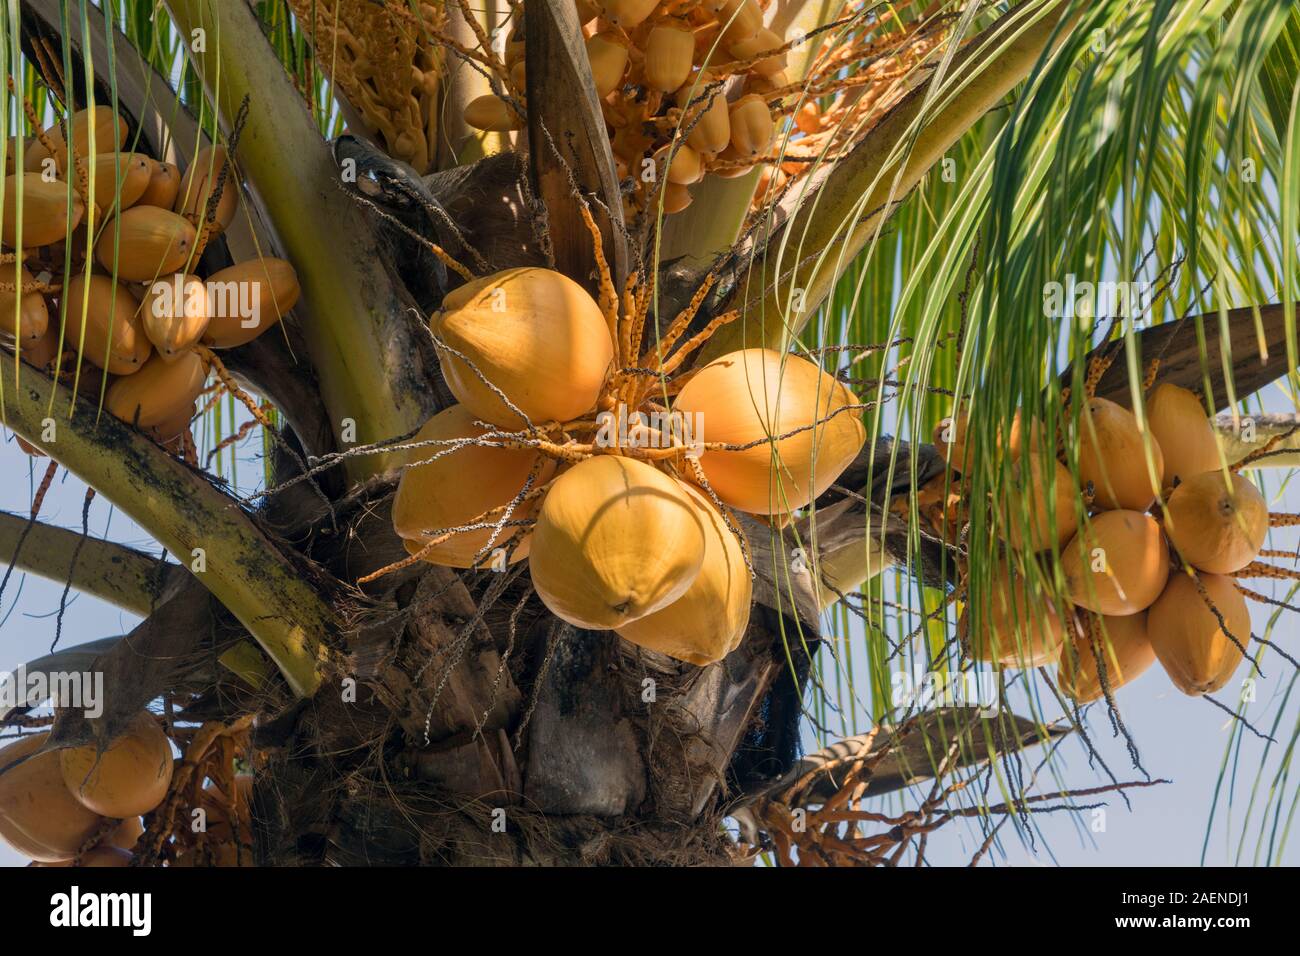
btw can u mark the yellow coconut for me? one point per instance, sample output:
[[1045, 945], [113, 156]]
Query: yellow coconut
[[608, 54], [952, 439], [174, 312], [726, 167], [1018, 628], [146, 242], [711, 131], [128, 779], [628, 13], [164, 186], [23, 317], [38, 816], [761, 42], [1126, 655], [1113, 458], [112, 336], [200, 182], [110, 135], [707, 622], [45, 212], [615, 540], [454, 488], [741, 20], [752, 396], [1117, 564], [675, 198], [669, 50], [1217, 524], [126, 834], [44, 350], [1178, 422], [247, 299], [170, 434], [161, 392], [686, 166], [491, 114], [132, 171], [535, 334], [1193, 648], [752, 129], [1050, 502]]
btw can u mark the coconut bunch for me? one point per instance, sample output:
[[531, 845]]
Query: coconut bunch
[[615, 473], [1147, 542], [78, 806], [138, 309], [701, 88]]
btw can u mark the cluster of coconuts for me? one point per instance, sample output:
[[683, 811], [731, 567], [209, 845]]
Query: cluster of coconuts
[[647, 57], [137, 309], [54, 803], [619, 542], [1125, 566]]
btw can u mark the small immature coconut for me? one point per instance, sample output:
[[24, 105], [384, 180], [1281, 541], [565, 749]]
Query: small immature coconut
[[1117, 564], [128, 779], [686, 167], [712, 130], [752, 129], [245, 300], [608, 54], [42, 352], [741, 20], [616, 540], [669, 50], [750, 398], [211, 166], [707, 622], [174, 312], [111, 336], [146, 242], [164, 185], [126, 834], [45, 212], [535, 334], [676, 198], [110, 135], [1113, 457], [1178, 422], [134, 171], [491, 114], [761, 42], [1217, 524], [1051, 503], [1018, 629], [1126, 653], [23, 317], [437, 495], [1193, 648], [39, 818], [161, 392], [628, 13]]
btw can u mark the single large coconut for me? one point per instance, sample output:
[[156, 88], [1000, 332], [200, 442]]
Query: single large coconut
[[1113, 458], [145, 243], [749, 398], [23, 317], [246, 299], [46, 216], [39, 818], [1126, 653], [128, 172], [1178, 422], [1217, 524], [535, 335], [160, 393], [615, 540], [452, 488], [128, 779], [103, 324], [110, 135], [1050, 501], [174, 312], [210, 165], [1193, 648], [1117, 564], [1018, 629], [707, 622]]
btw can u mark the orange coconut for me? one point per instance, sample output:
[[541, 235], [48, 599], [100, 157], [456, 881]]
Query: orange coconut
[[45, 212], [111, 336], [709, 620], [711, 131], [245, 300], [762, 42], [1117, 564], [211, 166], [129, 778], [164, 185], [1126, 654], [146, 242], [110, 135], [491, 114], [1018, 629], [161, 392], [132, 171], [1217, 524], [669, 51], [1113, 458], [454, 488], [39, 818], [1178, 422], [608, 54], [628, 13], [615, 540], [174, 312], [1050, 503], [1193, 648], [953, 441], [752, 396], [534, 334], [23, 317], [752, 128]]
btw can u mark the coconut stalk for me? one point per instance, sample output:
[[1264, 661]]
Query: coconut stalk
[[122, 576], [242, 567], [859, 193], [374, 381]]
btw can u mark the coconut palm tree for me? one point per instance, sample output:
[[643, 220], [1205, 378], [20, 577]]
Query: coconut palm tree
[[953, 189]]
